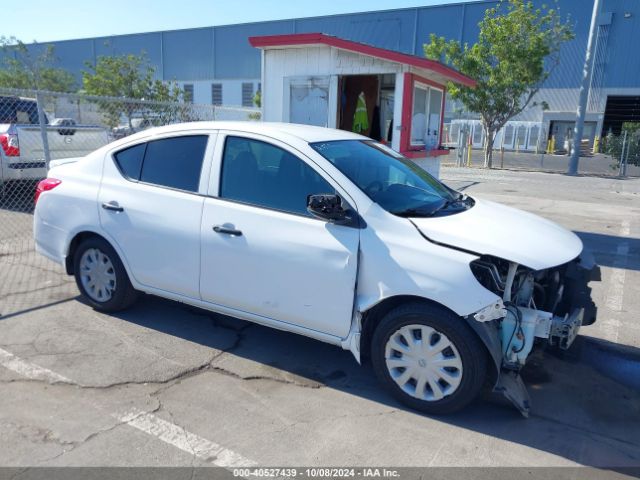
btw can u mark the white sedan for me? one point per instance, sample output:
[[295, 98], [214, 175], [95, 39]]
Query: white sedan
[[327, 234]]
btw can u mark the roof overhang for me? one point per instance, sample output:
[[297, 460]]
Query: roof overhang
[[320, 39]]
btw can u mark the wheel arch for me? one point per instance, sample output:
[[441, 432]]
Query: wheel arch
[[81, 236], [486, 332]]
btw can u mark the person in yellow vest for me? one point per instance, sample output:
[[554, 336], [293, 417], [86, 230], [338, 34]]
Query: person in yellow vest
[[361, 117]]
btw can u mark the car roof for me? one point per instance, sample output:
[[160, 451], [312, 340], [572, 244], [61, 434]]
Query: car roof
[[281, 131]]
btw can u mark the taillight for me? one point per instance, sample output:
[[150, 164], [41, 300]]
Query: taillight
[[45, 185], [10, 145]]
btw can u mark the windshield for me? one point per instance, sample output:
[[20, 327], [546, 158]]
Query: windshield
[[389, 179]]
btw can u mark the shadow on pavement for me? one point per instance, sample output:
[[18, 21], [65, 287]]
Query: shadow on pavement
[[17, 196], [573, 402], [613, 250]]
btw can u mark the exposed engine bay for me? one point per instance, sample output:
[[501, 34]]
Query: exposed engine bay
[[538, 307]]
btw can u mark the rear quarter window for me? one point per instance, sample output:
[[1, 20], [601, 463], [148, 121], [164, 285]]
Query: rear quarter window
[[129, 161]]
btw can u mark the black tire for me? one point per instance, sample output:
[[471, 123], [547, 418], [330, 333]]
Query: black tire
[[123, 296], [470, 350]]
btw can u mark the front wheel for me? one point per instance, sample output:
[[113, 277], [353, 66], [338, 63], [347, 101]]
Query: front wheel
[[101, 277], [428, 358]]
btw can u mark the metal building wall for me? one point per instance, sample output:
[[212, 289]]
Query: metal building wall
[[148, 43], [623, 58], [224, 53], [234, 57]]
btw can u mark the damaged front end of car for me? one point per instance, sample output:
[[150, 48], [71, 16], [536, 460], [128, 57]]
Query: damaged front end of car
[[537, 308]]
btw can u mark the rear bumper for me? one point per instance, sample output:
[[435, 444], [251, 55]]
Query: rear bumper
[[23, 171], [49, 240]]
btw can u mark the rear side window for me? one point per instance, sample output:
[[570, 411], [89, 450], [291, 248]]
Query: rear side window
[[130, 161], [171, 162]]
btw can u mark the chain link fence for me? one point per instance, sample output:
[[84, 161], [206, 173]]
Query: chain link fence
[[37, 127]]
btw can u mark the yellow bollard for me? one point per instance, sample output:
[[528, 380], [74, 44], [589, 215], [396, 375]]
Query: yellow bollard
[[517, 146], [548, 147], [469, 152], [596, 144]]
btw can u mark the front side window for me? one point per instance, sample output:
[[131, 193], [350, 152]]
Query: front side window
[[392, 181], [261, 174]]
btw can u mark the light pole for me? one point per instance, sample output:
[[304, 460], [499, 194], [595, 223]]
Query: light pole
[[584, 93]]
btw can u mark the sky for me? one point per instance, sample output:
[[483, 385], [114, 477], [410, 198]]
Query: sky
[[46, 20]]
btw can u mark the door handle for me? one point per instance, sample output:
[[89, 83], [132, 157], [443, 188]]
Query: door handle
[[227, 231], [113, 206]]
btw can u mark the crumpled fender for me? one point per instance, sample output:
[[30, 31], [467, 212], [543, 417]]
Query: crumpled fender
[[508, 383]]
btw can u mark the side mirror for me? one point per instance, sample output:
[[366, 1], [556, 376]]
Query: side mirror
[[328, 207]]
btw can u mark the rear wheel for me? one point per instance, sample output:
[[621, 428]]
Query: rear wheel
[[428, 358], [101, 277]]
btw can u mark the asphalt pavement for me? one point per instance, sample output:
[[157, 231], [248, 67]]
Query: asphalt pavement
[[164, 384]]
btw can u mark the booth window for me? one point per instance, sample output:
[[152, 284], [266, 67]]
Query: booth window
[[308, 101], [425, 116]]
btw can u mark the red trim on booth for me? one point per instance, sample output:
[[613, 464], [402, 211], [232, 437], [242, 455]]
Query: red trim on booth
[[391, 55], [425, 153], [407, 106], [441, 132]]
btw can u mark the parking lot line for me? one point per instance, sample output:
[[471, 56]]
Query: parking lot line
[[28, 369], [184, 440], [148, 423], [615, 293]]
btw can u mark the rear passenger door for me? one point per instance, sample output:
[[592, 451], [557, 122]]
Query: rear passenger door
[[150, 204]]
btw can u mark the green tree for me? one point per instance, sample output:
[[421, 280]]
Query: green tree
[[23, 68], [130, 80], [517, 49], [613, 144]]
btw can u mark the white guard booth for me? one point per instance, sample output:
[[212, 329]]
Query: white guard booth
[[317, 79]]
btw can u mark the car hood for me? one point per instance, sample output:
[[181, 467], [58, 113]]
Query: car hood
[[490, 228]]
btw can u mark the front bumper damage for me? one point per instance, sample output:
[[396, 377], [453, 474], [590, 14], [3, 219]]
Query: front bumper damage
[[511, 337]]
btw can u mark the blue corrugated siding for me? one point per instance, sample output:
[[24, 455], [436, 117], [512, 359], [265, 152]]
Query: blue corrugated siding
[[72, 55], [444, 21], [148, 43], [393, 30], [224, 52], [622, 69], [234, 56], [188, 54]]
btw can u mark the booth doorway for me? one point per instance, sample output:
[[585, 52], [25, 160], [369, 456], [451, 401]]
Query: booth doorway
[[365, 105]]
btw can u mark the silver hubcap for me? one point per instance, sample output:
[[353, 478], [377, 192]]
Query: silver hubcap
[[97, 275], [423, 362]]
